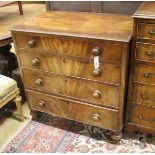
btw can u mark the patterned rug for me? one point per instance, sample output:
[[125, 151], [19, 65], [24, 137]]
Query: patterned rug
[[48, 134]]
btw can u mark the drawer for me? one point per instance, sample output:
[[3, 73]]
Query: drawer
[[142, 115], [146, 31], [144, 73], [72, 66], [89, 91], [145, 52], [68, 46], [89, 114], [144, 94]]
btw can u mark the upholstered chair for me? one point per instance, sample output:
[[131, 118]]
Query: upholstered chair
[[10, 92]]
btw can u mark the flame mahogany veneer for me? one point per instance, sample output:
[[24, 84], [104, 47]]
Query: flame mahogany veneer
[[56, 51]]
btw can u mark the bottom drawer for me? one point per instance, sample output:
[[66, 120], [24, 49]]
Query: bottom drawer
[[142, 115], [89, 114]]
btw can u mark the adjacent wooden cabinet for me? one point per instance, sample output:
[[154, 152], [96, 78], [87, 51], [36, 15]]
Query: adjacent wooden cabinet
[[75, 65], [140, 112]]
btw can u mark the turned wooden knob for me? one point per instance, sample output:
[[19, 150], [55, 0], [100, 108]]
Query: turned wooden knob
[[96, 51], [152, 32], [42, 103], [140, 117], [97, 72], [39, 82], [31, 43], [96, 94], [149, 53], [96, 117], [35, 62], [146, 75]]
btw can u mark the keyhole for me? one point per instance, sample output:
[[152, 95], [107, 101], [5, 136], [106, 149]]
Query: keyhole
[[65, 81]]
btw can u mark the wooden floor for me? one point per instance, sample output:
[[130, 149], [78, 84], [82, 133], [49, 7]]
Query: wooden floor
[[9, 15]]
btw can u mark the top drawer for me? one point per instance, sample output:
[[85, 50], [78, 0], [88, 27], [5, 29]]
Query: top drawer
[[146, 31], [68, 46]]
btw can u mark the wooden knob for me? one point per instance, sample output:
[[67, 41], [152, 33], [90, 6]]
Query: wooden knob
[[97, 72], [96, 51], [96, 94], [31, 43], [35, 62], [152, 32], [96, 117], [140, 117], [39, 82], [149, 53], [146, 75], [42, 103], [143, 96]]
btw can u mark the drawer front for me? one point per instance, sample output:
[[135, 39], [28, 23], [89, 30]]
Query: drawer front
[[144, 94], [76, 88], [144, 74], [68, 46], [142, 115], [72, 66], [89, 114], [146, 31], [145, 52]]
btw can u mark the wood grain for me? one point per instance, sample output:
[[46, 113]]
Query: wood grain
[[84, 25], [140, 109], [74, 110], [67, 86], [61, 46], [72, 66], [144, 94], [145, 74], [141, 52], [143, 31], [145, 11], [69, 46], [143, 116], [9, 17]]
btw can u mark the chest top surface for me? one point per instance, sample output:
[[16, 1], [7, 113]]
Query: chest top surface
[[146, 10], [84, 25]]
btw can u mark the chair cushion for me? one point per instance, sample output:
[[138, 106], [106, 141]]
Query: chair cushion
[[6, 85]]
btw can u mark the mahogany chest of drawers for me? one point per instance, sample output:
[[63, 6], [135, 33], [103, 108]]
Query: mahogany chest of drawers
[[74, 65], [141, 96]]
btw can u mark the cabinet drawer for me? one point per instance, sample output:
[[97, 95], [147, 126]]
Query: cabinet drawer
[[102, 117], [142, 115], [84, 90], [146, 31], [72, 66], [144, 74], [68, 46], [144, 94], [145, 52]]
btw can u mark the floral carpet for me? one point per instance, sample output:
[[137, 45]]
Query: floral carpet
[[49, 134]]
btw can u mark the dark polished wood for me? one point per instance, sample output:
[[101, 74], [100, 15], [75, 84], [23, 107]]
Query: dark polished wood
[[56, 52], [67, 86], [140, 113], [72, 66], [145, 11]]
